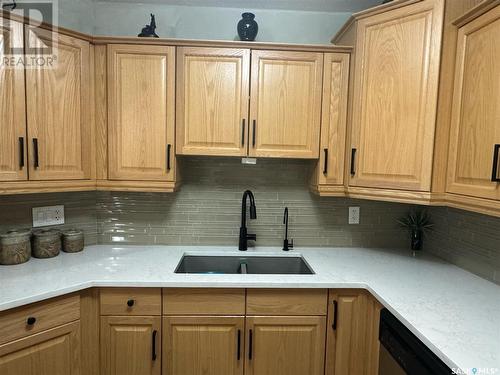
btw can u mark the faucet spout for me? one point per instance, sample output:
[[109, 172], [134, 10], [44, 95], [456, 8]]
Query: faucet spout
[[244, 236], [287, 244]]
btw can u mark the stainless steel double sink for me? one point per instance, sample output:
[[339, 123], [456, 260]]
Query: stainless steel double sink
[[256, 265]]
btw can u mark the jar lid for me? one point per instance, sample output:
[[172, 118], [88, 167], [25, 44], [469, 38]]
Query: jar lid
[[72, 232], [46, 232], [13, 233]]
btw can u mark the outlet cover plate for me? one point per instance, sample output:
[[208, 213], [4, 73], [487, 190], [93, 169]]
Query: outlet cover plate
[[354, 215], [45, 216]]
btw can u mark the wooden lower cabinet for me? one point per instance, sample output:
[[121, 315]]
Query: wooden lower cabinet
[[203, 345], [352, 333], [130, 345], [285, 345], [52, 352]]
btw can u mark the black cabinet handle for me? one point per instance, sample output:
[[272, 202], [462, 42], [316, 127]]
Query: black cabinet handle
[[31, 320], [254, 129], [169, 149], [130, 303], [335, 311], [154, 345], [35, 153], [250, 345], [238, 349], [353, 161], [243, 127], [494, 173], [325, 166], [21, 152]]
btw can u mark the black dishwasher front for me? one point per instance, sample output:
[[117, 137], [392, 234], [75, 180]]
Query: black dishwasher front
[[402, 353]]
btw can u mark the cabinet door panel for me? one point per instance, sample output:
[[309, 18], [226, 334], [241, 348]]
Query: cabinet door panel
[[285, 345], [203, 345], [52, 352], [476, 113], [395, 97], [212, 101], [127, 345], [13, 165], [346, 332], [141, 115], [285, 104], [334, 118], [58, 101]]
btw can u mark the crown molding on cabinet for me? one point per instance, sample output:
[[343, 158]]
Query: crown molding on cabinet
[[370, 12], [476, 12]]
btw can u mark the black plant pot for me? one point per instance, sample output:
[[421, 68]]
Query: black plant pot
[[417, 239], [248, 27]]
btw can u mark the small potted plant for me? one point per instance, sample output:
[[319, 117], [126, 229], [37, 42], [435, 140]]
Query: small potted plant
[[417, 223]]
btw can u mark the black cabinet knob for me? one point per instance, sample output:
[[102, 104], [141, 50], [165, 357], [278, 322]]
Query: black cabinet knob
[[130, 303], [31, 320]]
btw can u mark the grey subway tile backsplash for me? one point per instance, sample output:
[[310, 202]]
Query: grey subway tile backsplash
[[467, 239], [207, 209], [79, 211]]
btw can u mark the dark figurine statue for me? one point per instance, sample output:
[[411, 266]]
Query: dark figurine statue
[[148, 31]]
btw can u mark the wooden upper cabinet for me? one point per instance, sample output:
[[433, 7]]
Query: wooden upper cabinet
[[475, 131], [285, 105], [141, 112], [285, 345], [330, 169], [52, 352], [130, 345], [13, 164], [203, 345], [60, 124], [212, 101], [395, 97]]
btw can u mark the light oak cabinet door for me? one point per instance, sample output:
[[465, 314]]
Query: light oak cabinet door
[[60, 125], [285, 104], [285, 345], [395, 97], [141, 112], [52, 352], [13, 165], [212, 101], [130, 345], [346, 350], [203, 345], [475, 132], [330, 169]]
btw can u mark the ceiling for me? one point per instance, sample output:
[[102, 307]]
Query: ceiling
[[307, 5]]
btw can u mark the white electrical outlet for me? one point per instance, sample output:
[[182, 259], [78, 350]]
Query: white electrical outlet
[[45, 216], [354, 215]]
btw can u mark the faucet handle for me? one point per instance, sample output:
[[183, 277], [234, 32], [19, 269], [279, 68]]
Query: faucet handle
[[290, 244], [251, 237]]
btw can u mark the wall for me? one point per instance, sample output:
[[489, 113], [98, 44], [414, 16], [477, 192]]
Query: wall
[[190, 22], [77, 15], [79, 210], [207, 209], [467, 239]]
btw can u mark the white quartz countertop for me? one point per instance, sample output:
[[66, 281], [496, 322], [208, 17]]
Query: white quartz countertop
[[455, 313]]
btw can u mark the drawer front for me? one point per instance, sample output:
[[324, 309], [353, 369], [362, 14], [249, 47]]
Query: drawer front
[[37, 317], [200, 301], [287, 301], [130, 301]]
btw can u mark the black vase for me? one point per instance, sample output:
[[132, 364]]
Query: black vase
[[248, 27], [417, 239]]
